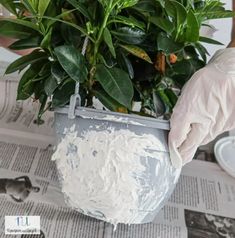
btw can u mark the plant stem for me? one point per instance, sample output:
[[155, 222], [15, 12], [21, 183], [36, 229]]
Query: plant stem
[[101, 31], [97, 44]]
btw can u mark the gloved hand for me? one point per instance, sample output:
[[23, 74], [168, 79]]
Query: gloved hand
[[205, 109]]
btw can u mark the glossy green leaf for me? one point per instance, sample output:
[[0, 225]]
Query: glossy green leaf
[[45, 69], [27, 43], [158, 105], [130, 35], [202, 51], [15, 29], [25, 61], [209, 41], [116, 83], [183, 68], [127, 3], [43, 100], [168, 45], [58, 20], [177, 11], [107, 101], [25, 23], [215, 14], [193, 28], [108, 40], [146, 8], [80, 7], [58, 72], [130, 21], [26, 85], [186, 68], [172, 96], [50, 85], [73, 62], [31, 5], [62, 94], [39, 90], [46, 42], [42, 6], [164, 98], [125, 64], [163, 23]]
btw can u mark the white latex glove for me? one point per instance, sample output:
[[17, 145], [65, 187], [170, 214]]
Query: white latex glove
[[205, 109]]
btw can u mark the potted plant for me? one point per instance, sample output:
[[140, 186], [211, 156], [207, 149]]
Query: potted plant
[[123, 53]]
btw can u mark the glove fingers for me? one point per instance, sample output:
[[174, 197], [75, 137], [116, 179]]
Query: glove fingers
[[188, 155], [177, 135], [178, 132], [194, 139], [175, 156]]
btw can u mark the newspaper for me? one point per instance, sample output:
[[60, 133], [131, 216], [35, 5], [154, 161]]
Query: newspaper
[[19, 116], [28, 178], [202, 205]]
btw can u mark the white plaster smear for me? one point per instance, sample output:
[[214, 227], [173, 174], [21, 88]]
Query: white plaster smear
[[114, 119], [105, 174]]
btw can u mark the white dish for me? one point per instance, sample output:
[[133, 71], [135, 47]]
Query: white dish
[[225, 154]]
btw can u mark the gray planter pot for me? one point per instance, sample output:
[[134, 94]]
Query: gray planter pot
[[161, 175]]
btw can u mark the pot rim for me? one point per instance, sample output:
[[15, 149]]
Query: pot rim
[[131, 119]]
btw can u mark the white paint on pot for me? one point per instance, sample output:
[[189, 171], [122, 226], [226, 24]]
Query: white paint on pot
[[107, 174], [114, 119]]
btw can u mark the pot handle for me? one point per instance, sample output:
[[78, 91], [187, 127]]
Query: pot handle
[[75, 99]]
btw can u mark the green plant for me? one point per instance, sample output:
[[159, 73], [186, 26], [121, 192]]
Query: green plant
[[137, 50]]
